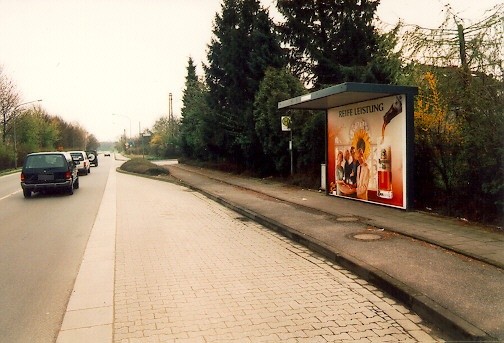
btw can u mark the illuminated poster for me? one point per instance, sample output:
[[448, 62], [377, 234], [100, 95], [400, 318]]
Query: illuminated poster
[[367, 151]]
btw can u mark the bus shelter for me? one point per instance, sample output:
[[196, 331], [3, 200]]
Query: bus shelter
[[369, 140]]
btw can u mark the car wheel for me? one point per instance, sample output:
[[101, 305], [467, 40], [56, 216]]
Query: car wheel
[[89, 170], [27, 193], [70, 190], [76, 184]]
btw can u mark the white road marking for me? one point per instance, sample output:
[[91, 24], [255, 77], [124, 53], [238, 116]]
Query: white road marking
[[8, 195]]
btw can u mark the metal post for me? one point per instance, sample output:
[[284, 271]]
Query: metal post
[[291, 154]]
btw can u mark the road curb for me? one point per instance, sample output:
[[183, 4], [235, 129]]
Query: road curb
[[456, 327], [388, 228], [9, 172], [453, 325]]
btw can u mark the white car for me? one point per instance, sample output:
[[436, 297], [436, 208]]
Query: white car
[[84, 166]]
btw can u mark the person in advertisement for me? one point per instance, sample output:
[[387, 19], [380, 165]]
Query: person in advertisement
[[348, 184], [362, 176], [340, 171], [355, 165], [349, 168]]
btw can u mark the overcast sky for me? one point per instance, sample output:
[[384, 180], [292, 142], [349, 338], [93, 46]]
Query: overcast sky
[[90, 59]]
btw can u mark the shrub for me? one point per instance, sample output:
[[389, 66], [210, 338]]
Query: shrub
[[142, 166], [6, 158]]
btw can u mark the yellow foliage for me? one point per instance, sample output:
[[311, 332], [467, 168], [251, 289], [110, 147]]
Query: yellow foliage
[[156, 140], [432, 114]]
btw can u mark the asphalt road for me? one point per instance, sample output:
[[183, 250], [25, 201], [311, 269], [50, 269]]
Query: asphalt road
[[42, 241], [9, 185]]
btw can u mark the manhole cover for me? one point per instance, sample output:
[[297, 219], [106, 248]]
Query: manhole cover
[[347, 219], [367, 236]]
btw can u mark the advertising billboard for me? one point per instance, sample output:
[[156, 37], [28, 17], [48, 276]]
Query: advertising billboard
[[366, 156]]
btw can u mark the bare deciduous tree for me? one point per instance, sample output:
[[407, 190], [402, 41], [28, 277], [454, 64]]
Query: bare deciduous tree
[[9, 98], [474, 47]]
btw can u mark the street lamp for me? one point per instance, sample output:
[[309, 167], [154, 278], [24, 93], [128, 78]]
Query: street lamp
[[122, 115], [14, 118]]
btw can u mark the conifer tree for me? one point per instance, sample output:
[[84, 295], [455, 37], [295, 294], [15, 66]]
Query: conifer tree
[[194, 110], [243, 46], [331, 41], [277, 85]]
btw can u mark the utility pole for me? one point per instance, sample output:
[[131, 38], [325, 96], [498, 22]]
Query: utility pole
[[171, 120], [170, 107], [463, 55]]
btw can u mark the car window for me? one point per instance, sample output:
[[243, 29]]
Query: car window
[[45, 161], [78, 155], [35, 162], [56, 161]]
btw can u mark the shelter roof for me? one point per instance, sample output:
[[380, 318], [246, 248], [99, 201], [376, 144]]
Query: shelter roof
[[344, 94]]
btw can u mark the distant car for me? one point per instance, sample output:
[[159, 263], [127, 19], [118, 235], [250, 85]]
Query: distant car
[[47, 171], [92, 157], [83, 165], [106, 153]]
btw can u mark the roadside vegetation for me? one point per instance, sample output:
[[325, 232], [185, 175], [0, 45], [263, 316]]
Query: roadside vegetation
[[229, 118], [26, 127], [144, 167]]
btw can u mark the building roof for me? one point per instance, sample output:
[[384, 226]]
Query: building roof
[[344, 94]]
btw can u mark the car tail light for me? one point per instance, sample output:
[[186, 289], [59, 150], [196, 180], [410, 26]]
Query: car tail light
[[68, 175], [22, 177]]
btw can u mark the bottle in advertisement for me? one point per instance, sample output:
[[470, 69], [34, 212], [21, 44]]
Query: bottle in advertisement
[[385, 173]]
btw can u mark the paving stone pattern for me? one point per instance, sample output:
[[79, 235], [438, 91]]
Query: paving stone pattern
[[193, 271]]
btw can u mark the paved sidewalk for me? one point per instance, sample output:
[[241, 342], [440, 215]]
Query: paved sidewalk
[[448, 271], [190, 270]]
